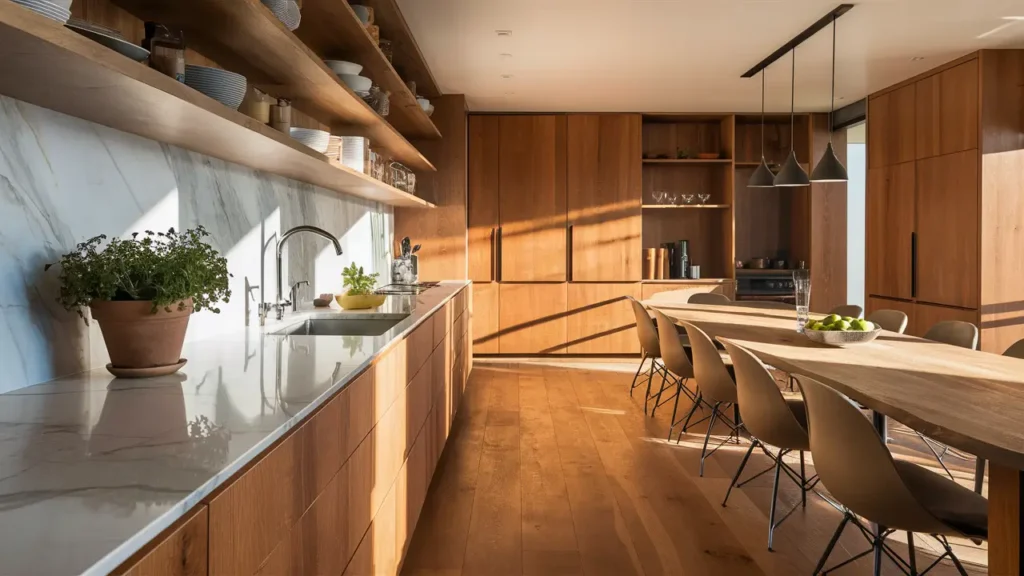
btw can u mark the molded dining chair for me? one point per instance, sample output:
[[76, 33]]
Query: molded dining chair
[[709, 298], [649, 345], [891, 320], [770, 419], [677, 364], [851, 310], [964, 335], [715, 386], [1016, 350], [770, 304], [860, 473]]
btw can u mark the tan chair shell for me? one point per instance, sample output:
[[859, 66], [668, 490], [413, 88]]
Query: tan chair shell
[[1016, 350], [860, 473], [955, 333], [713, 378], [672, 354], [709, 298], [891, 320], [851, 310], [766, 304], [766, 413], [645, 330]]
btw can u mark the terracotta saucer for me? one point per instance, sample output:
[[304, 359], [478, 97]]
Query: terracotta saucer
[[146, 372]]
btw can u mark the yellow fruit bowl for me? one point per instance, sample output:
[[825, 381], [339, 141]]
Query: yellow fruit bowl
[[359, 302]]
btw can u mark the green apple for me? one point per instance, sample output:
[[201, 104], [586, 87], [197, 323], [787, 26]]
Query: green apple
[[848, 318], [859, 325], [810, 324], [842, 325], [831, 319]]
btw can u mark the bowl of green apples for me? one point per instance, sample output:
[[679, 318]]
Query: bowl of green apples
[[838, 330]]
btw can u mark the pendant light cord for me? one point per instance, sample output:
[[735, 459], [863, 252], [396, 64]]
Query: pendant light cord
[[762, 113], [792, 106], [832, 102]]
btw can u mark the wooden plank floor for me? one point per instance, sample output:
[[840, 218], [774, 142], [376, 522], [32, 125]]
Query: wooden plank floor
[[552, 469]]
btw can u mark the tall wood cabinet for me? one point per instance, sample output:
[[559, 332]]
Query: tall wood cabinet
[[944, 206]]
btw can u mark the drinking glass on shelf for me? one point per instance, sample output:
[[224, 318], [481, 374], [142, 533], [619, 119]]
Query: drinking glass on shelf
[[659, 196], [687, 198], [703, 198], [673, 198], [802, 287]]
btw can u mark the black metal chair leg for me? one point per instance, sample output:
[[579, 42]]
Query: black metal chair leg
[[650, 378], [831, 545], [912, 554], [657, 401], [775, 497], [803, 481], [643, 358], [704, 450], [736, 477], [675, 409], [952, 556]]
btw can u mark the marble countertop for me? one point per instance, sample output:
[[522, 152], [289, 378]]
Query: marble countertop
[[93, 468]]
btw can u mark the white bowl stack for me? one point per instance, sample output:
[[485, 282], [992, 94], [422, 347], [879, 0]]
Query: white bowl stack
[[225, 87], [59, 11], [287, 11], [318, 140]]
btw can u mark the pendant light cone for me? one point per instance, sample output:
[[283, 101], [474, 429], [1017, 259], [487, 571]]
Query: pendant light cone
[[829, 168], [762, 177], [792, 174]]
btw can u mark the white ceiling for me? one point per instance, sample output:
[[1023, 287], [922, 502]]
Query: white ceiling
[[688, 55]]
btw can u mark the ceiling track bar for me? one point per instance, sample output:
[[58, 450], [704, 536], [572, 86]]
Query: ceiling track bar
[[799, 39]]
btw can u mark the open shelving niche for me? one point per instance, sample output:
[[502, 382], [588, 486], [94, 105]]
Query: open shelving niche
[[44, 63], [708, 228]]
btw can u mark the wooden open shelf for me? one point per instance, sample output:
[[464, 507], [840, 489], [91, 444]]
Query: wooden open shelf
[[684, 161], [332, 30], [408, 59], [44, 63], [664, 206], [244, 36]]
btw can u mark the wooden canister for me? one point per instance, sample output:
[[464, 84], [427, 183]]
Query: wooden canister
[[649, 258], [281, 116], [661, 256]]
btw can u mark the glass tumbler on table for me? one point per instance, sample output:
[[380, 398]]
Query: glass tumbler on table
[[802, 286]]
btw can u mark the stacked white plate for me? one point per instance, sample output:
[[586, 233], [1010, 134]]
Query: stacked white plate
[[51, 10], [318, 140], [287, 11], [225, 87]]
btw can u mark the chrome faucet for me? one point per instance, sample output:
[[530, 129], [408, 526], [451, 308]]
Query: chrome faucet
[[248, 296], [281, 302]]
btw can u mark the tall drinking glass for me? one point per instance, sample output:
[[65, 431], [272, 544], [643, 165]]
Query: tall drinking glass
[[802, 286]]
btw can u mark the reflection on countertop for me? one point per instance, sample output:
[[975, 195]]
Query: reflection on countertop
[[92, 467]]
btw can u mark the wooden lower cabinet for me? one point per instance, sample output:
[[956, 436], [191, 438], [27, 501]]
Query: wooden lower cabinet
[[920, 316], [342, 492], [532, 318], [182, 552], [681, 291], [600, 319], [485, 317]]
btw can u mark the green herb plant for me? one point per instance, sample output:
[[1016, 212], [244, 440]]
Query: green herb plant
[[166, 268], [358, 282]]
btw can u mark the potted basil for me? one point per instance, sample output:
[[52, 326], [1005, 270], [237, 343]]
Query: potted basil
[[360, 289], [142, 291]]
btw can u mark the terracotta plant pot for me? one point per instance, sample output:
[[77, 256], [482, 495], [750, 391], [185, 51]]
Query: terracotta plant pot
[[137, 338]]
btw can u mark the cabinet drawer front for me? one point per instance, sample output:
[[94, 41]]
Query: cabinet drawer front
[[182, 552], [601, 319], [485, 317], [532, 318]]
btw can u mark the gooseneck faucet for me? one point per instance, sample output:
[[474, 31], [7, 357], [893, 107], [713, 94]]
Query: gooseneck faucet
[[281, 303]]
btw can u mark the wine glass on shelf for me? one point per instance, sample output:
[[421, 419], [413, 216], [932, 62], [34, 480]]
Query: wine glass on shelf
[[687, 199], [673, 198], [659, 196], [704, 197]]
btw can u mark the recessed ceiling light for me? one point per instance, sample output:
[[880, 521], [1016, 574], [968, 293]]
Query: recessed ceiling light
[[506, 76], [503, 32], [505, 56], [917, 58]]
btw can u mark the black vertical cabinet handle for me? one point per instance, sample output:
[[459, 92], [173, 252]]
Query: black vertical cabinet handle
[[497, 274], [913, 264], [494, 255], [568, 254]]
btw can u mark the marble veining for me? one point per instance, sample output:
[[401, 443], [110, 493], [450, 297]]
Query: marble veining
[[92, 467], [63, 180]]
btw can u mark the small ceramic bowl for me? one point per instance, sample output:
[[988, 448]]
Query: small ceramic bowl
[[344, 67], [355, 82], [363, 12]]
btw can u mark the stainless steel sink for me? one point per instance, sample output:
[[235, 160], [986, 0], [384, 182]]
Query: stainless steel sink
[[375, 326]]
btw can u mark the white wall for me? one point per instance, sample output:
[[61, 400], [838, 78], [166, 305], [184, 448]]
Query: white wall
[[64, 180], [856, 166]]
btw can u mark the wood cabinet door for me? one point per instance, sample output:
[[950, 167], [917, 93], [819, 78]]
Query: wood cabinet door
[[925, 316], [891, 133], [889, 230], [532, 318], [601, 319], [482, 201], [947, 230], [604, 193], [532, 233], [485, 318], [959, 108], [928, 117], [178, 552]]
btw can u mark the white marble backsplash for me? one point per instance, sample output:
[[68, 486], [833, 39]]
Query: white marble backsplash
[[63, 180]]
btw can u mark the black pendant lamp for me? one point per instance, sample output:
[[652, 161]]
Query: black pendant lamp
[[791, 173], [763, 176], [829, 168]]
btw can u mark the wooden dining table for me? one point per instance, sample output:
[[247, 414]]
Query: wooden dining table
[[970, 400]]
